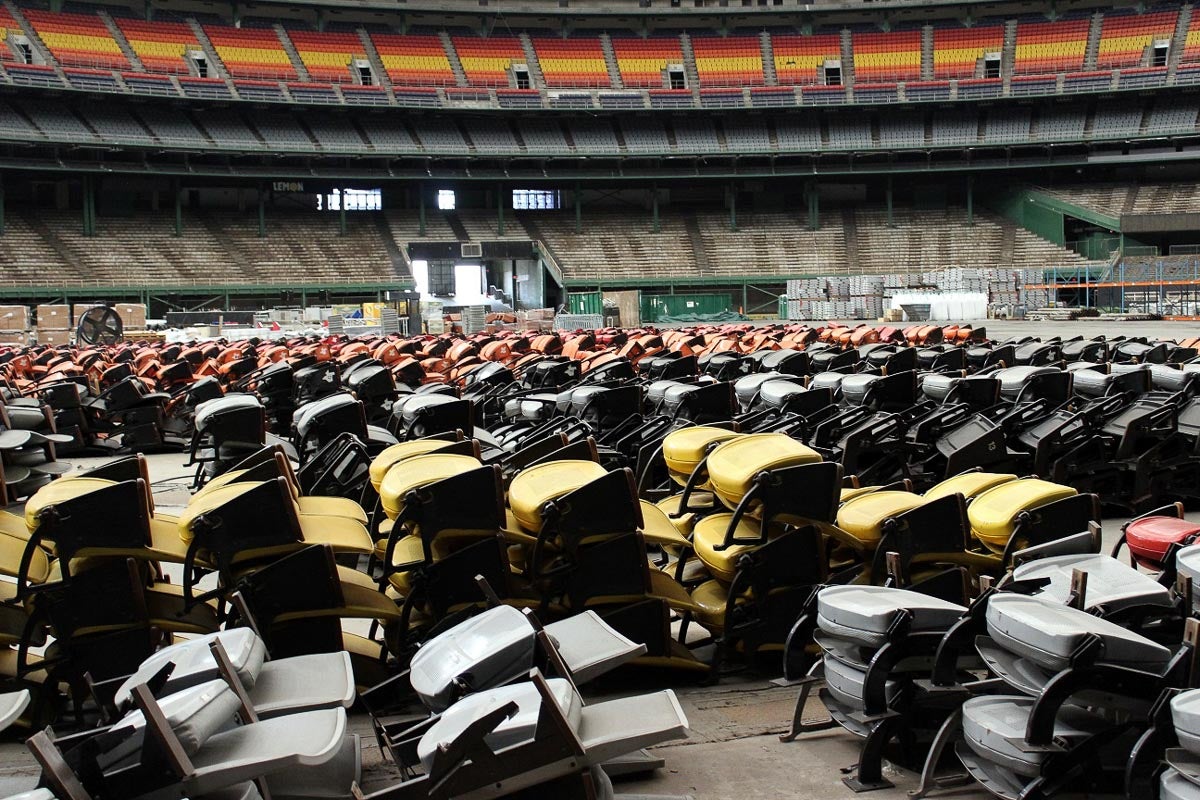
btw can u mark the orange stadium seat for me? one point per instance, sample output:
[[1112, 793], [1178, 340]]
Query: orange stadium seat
[[327, 56], [578, 61], [161, 46], [798, 59], [643, 61], [894, 56], [7, 23], [1051, 46], [728, 60], [79, 40], [251, 52], [956, 51], [1124, 38], [486, 62], [1191, 44], [414, 59]]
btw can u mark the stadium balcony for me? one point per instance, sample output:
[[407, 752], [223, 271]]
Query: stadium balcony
[[329, 57], [77, 39], [1028, 56], [129, 135], [799, 59], [958, 52], [251, 52]]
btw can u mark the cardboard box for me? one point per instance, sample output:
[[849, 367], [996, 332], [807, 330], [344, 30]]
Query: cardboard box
[[79, 309], [14, 337], [54, 317], [133, 315], [14, 318], [53, 338]]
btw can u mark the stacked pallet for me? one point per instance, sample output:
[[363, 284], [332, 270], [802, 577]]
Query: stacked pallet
[[869, 296]]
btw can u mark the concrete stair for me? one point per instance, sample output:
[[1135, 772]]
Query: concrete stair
[[293, 53]]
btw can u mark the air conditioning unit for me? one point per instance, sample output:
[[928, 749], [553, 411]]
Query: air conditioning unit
[[472, 250]]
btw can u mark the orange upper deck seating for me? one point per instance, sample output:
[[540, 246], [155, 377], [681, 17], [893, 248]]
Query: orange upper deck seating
[[414, 59], [251, 52], [798, 59], [1051, 46], [956, 51], [728, 60], [79, 40], [1191, 44], [894, 56], [578, 61], [161, 46], [1124, 38], [327, 56], [7, 24], [642, 62], [487, 62]]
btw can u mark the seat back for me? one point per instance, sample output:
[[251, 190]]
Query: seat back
[[301, 585]]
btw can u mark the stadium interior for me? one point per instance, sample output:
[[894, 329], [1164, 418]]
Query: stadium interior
[[598, 399]]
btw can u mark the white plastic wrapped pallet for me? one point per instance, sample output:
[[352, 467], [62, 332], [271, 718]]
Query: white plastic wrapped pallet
[[947, 305]]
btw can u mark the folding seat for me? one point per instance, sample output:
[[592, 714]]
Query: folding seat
[[188, 743], [1016, 514], [1154, 537], [537, 734], [764, 555], [237, 527], [1034, 644], [317, 423], [94, 520], [876, 647], [273, 687]]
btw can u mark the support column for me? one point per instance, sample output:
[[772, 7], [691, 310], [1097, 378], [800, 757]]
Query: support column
[[814, 207], [2, 224], [86, 189], [890, 222], [178, 209], [733, 207], [262, 212], [578, 210], [655, 226], [500, 209], [420, 209], [970, 199], [342, 212]]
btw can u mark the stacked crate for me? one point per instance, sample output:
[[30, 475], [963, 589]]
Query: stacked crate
[[54, 324], [14, 325], [869, 296]]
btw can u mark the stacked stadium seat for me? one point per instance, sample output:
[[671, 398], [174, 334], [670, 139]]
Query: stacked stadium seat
[[643, 61], [578, 61], [1124, 39], [486, 62], [413, 59], [79, 40], [327, 56], [251, 52], [160, 45], [728, 61], [894, 56], [798, 59], [956, 51], [1051, 46]]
